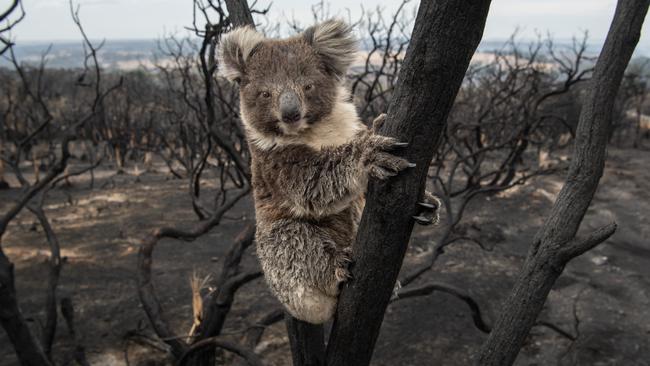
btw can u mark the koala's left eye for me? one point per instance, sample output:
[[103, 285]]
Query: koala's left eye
[[265, 94], [309, 87]]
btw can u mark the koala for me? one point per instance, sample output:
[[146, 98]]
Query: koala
[[311, 159]]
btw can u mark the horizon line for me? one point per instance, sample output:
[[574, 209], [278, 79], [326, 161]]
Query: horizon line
[[73, 40]]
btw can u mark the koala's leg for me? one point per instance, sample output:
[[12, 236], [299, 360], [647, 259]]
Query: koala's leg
[[429, 210], [303, 267]]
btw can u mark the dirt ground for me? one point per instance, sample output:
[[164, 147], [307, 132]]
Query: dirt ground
[[603, 297]]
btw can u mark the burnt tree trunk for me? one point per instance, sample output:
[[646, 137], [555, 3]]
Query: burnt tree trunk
[[239, 13], [28, 350], [444, 39], [556, 244], [307, 342]]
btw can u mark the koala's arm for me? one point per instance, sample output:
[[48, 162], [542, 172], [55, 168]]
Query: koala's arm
[[318, 183]]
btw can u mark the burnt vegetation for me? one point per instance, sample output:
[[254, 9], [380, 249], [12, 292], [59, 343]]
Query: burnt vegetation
[[513, 114]]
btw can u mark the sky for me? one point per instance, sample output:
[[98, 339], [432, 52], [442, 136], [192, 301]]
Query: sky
[[49, 20]]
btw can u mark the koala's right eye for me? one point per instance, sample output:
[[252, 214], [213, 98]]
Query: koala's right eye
[[265, 94]]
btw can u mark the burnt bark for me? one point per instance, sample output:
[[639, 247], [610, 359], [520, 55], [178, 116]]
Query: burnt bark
[[55, 263], [556, 244], [307, 342], [28, 349], [444, 39], [239, 13]]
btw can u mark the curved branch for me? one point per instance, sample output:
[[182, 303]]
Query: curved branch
[[53, 278], [431, 287], [146, 291]]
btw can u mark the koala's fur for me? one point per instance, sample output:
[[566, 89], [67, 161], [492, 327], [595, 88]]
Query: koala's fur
[[309, 175]]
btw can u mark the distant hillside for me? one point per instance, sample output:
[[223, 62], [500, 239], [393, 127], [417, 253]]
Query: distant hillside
[[132, 54], [115, 54]]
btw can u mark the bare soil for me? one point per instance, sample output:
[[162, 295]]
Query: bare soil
[[603, 297]]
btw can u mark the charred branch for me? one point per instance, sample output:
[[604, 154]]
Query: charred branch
[[429, 288], [146, 290], [555, 244]]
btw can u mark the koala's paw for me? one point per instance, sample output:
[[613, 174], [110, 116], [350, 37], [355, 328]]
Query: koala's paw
[[380, 162], [428, 210]]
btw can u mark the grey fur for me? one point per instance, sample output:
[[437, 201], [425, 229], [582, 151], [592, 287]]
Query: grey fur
[[234, 49], [309, 175], [333, 40], [308, 207]]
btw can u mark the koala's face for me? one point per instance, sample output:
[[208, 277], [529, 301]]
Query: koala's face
[[285, 90], [287, 86]]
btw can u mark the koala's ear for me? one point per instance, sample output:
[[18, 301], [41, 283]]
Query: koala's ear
[[334, 42], [235, 48]]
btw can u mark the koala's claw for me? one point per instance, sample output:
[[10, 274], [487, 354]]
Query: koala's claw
[[428, 206], [428, 210], [376, 156], [422, 220], [381, 173]]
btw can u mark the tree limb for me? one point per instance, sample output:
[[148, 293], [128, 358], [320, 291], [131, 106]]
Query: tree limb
[[555, 244]]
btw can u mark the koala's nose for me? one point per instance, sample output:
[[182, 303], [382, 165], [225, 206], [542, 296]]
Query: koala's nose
[[290, 107], [291, 116]]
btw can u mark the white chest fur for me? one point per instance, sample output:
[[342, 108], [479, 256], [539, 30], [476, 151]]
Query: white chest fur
[[336, 129]]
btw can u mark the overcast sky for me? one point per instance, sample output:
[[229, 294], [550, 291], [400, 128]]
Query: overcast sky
[[141, 19]]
